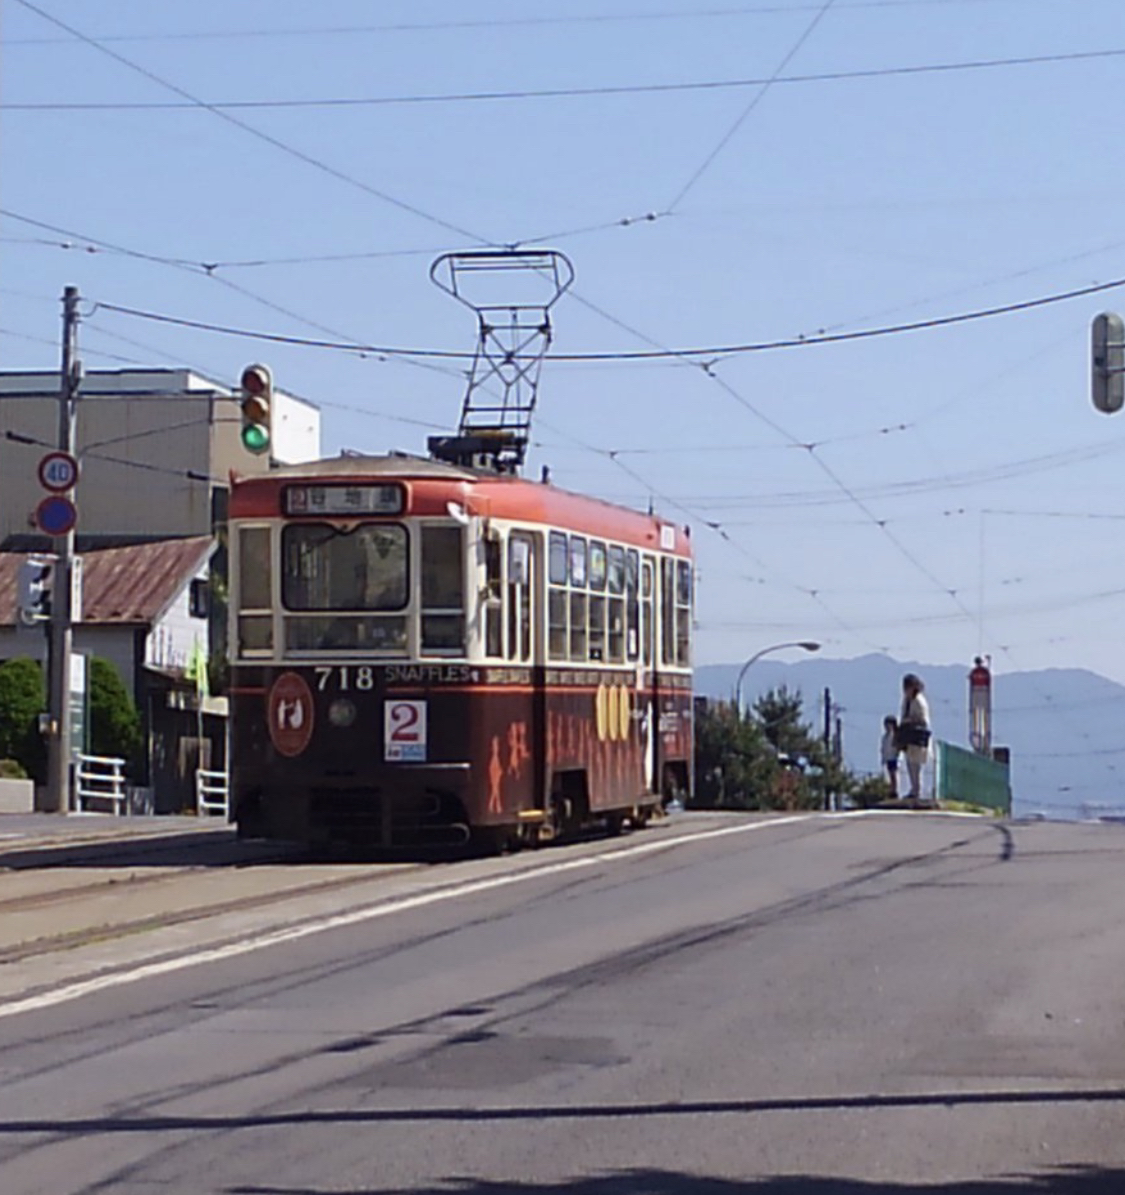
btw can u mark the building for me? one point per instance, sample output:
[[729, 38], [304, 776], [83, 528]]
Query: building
[[145, 610], [156, 449]]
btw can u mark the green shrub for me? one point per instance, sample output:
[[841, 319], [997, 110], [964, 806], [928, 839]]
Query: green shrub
[[22, 699], [115, 725], [11, 770]]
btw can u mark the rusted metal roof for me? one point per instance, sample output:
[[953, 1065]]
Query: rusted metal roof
[[132, 585]]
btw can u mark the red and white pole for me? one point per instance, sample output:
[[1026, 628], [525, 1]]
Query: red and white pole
[[980, 708]]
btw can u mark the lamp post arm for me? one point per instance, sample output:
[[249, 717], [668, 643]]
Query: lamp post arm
[[742, 676], [805, 644]]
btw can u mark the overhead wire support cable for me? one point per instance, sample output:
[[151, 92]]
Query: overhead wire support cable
[[714, 351], [727, 137], [489, 23], [550, 93], [277, 143]]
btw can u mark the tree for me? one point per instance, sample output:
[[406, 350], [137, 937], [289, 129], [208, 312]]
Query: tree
[[735, 766], [779, 712], [115, 725], [22, 699], [771, 760]]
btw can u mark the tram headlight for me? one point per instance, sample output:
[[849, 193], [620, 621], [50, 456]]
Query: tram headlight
[[341, 712]]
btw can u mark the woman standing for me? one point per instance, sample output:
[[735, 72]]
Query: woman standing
[[914, 731]]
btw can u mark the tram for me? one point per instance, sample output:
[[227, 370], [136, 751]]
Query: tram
[[424, 653], [434, 650]]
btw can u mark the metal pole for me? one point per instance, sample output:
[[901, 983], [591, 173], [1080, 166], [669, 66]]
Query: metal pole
[[827, 717], [61, 632], [805, 644]]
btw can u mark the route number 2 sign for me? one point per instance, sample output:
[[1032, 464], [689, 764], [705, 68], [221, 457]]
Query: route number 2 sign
[[404, 731]]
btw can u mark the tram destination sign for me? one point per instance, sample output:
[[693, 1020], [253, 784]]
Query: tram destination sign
[[343, 499]]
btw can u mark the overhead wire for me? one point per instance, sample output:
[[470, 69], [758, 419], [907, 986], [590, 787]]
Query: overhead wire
[[291, 150], [713, 351], [304, 31], [207, 270], [761, 93], [549, 93]]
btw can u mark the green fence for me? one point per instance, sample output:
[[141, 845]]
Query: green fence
[[966, 776]]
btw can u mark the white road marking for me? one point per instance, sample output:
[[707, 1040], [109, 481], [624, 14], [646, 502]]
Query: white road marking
[[404, 904]]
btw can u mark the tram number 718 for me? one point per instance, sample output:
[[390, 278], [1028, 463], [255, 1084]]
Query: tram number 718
[[345, 677]]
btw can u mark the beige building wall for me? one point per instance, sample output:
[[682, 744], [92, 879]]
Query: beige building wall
[[153, 445]]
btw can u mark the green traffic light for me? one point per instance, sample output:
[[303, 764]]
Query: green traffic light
[[255, 437]]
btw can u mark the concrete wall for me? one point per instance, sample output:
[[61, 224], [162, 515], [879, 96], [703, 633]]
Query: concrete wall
[[139, 433], [114, 644], [17, 796]]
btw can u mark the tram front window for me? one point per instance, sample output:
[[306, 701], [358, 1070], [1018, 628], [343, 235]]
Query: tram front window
[[337, 577], [330, 568]]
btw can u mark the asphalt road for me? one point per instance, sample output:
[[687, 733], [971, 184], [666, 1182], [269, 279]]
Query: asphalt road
[[864, 1005]]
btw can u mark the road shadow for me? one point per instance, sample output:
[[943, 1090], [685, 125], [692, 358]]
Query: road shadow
[[1060, 1180], [191, 848], [215, 849], [563, 1113]]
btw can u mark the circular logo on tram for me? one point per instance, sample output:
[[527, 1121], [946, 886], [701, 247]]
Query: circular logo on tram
[[290, 713]]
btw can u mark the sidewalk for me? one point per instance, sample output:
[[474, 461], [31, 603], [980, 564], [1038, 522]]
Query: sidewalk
[[21, 832]]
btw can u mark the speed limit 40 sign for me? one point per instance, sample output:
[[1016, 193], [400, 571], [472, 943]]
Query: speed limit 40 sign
[[58, 471]]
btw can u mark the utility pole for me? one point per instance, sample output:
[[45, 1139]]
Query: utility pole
[[61, 635], [827, 717]]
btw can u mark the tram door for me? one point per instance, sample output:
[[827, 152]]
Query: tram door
[[523, 649]]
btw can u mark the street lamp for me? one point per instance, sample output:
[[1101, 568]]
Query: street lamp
[[804, 644]]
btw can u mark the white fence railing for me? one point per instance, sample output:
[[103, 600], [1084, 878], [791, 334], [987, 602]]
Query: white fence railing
[[212, 792], [101, 779]]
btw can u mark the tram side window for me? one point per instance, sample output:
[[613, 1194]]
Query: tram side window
[[558, 569], [597, 565], [632, 604], [556, 623], [646, 612], [578, 559], [683, 613], [577, 625], [443, 589], [557, 565], [616, 582], [597, 602], [668, 610], [597, 627], [519, 599], [493, 588], [255, 591]]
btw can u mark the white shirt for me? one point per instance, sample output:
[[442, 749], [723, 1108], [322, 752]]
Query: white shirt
[[916, 709]]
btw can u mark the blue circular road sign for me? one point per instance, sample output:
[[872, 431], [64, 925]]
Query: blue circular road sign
[[56, 515]]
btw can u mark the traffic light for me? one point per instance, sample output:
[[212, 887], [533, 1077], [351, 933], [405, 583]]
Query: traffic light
[[257, 404], [1107, 362], [36, 579]]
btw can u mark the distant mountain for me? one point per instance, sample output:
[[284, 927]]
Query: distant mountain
[[1065, 726]]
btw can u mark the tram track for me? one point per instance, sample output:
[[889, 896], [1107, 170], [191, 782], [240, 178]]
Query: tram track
[[69, 940], [134, 892]]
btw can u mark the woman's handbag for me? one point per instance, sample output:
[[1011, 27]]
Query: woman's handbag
[[913, 734]]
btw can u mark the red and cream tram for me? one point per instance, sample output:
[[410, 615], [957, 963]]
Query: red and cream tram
[[424, 653]]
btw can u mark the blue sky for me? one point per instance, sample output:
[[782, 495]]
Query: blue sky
[[931, 493]]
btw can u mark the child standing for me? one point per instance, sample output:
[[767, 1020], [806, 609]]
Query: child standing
[[888, 751]]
